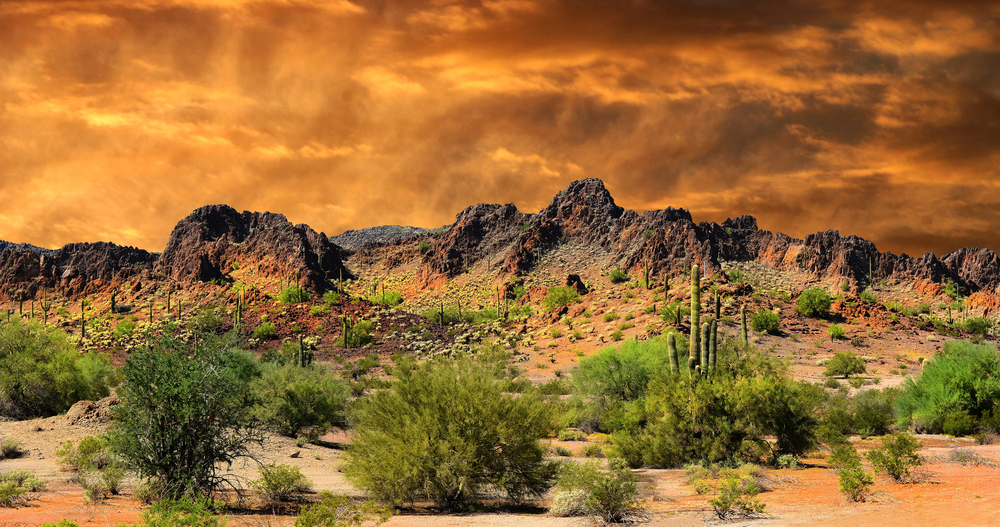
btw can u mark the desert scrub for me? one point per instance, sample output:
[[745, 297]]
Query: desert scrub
[[855, 482], [897, 457], [610, 316], [737, 498], [572, 434], [555, 333], [813, 302], [460, 411], [265, 331], [10, 447], [765, 321], [388, 297], [293, 295], [281, 483], [43, 374], [586, 490], [618, 276], [559, 297], [616, 335], [836, 331], [845, 363], [340, 511], [294, 400]]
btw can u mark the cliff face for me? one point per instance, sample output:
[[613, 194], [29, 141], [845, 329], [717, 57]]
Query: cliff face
[[669, 240], [76, 268], [207, 243]]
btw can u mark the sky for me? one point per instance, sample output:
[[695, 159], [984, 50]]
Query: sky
[[878, 118]]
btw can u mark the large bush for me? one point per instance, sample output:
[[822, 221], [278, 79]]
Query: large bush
[[748, 409], [961, 383], [813, 302], [765, 321], [583, 489], [186, 408], [845, 363], [447, 432], [560, 296], [42, 373], [295, 399]]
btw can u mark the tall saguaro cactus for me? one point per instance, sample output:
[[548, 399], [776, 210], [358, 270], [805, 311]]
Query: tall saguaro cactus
[[743, 325], [695, 313], [706, 329], [718, 306], [672, 351], [712, 345]]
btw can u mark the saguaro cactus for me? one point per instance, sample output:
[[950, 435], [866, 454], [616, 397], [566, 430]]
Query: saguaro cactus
[[743, 325], [714, 332], [705, 337], [718, 306], [695, 312], [672, 350], [646, 266]]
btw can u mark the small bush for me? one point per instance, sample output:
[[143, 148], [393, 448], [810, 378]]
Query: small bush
[[611, 496], [423, 247], [62, 523], [836, 331], [281, 483], [845, 363], [978, 325], [616, 335], [737, 498], [592, 450], [868, 297], [11, 495], [294, 399], [339, 511], [387, 297], [788, 461], [205, 319], [331, 297], [571, 434], [10, 447], [813, 302], [555, 333], [563, 451], [610, 316], [765, 321], [265, 331], [896, 457], [185, 512], [855, 482], [617, 276], [293, 295], [559, 297]]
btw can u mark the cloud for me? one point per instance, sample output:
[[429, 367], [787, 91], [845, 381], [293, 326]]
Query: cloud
[[117, 118]]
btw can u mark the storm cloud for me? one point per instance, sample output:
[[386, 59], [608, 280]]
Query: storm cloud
[[881, 119]]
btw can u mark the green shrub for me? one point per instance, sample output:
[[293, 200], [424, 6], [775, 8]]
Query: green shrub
[[123, 329], [265, 331], [555, 333], [423, 247], [23, 479], [616, 335], [559, 297], [592, 450], [92, 454], [813, 302], [570, 434], [611, 496], [765, 321], [737, 498], [868, 296], [294, 399], [62, 523], [751, 410], [845, 363], [358, 335], [873, 411], [896, 457], [563, 451], [331, 297], [319, 310], [669, 312], [43, 374], [293, 295], [205, 319], [609, 316], [186, 408], [978, 325], [338, 511], [185, 512], [460, 412], [962, 379], [10, 447], [11, 495], [617, 276], [836, 331], [281, 483], [855, 482], [388, 297]]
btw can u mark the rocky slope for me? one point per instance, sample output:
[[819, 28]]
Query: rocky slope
[[585, 213], [4, 246], [208, 244], [358, 239]]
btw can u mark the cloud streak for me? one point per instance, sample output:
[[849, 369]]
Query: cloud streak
[[878, 119]]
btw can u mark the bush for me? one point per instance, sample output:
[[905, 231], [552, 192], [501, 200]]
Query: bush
[[836, 331], [609, 316], [978, 325], [338, 511], [387, 297], [184, 409], [62, 523], [92, 454], [572, 435], [11, 495], [868, 296], [765, 321], [855, 482], [963, 379], [185, 512], [813, 302], [293, 399], [293, 295], [616, 335], [873, 411], [280, 483], [423, 247], [737, 498], [617, 276], [845, 363], [43, 374], [205, 319], [433, 434], [751, 410], [583, 489], [10, 447], [896, 457], [559, 297], [265, 331]]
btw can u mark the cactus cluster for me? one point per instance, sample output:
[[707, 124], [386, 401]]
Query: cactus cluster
[[702, 353], [304, 356]]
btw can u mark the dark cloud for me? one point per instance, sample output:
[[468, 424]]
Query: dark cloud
[[878, 119]]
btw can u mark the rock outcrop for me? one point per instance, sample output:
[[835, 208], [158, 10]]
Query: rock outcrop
[[75, 269], [216, 238], [359, 239], [669, 240]]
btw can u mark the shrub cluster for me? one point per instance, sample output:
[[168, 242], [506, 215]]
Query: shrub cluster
[[814, 302]]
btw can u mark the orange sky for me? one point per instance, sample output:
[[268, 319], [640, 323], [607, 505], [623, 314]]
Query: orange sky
[[880, 118]]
